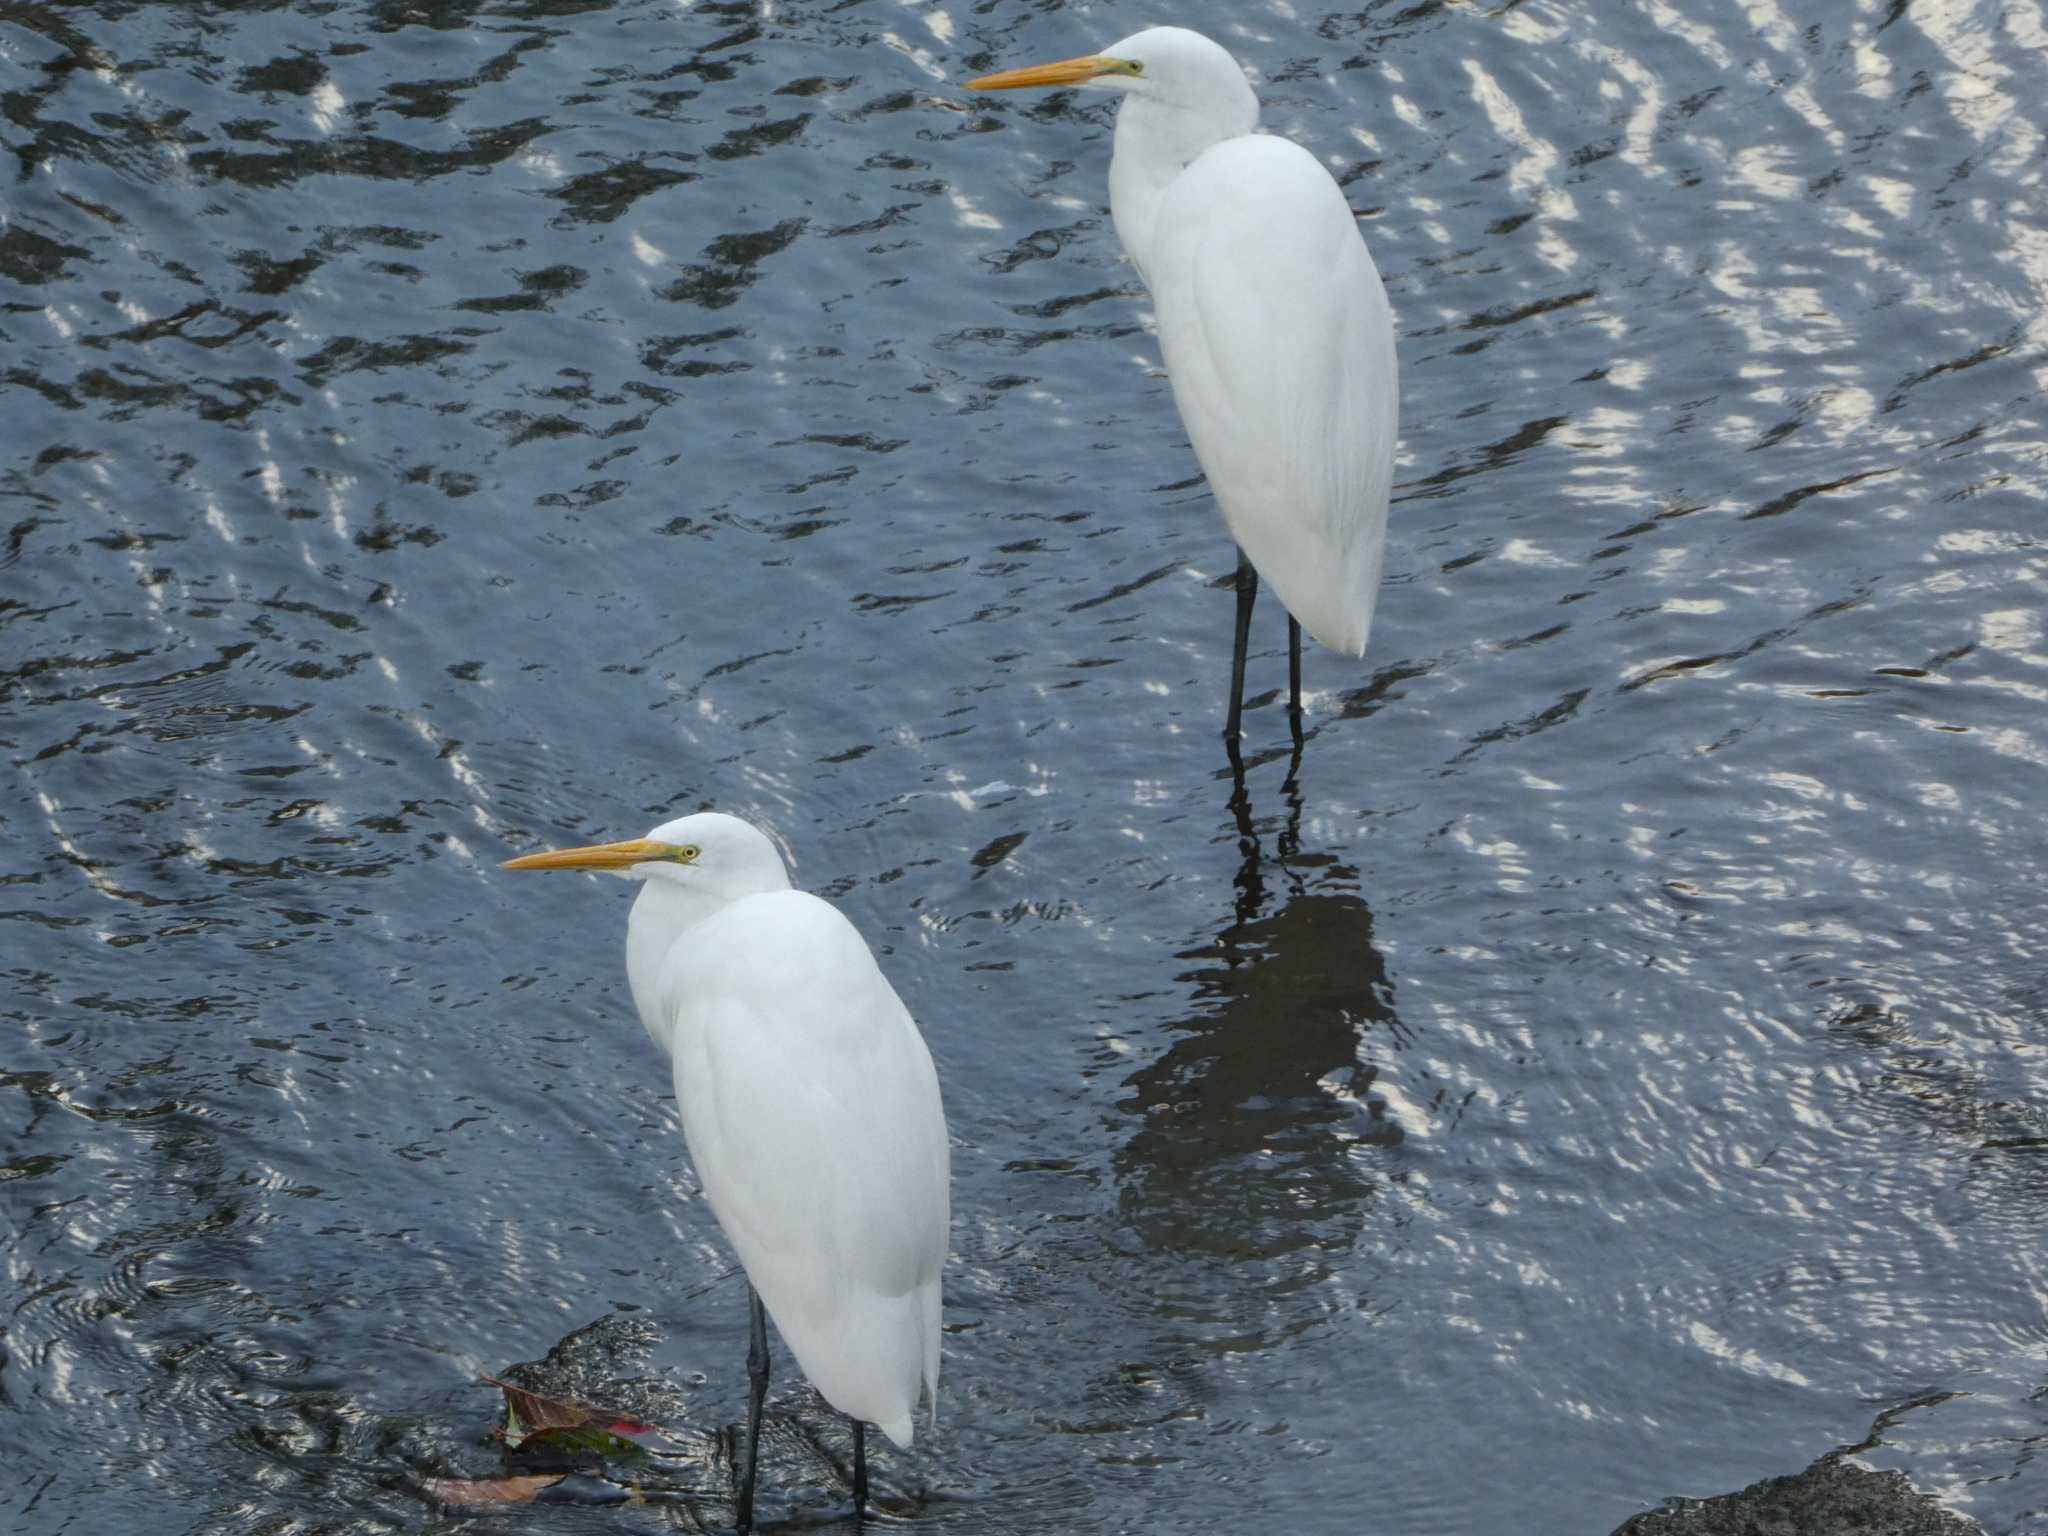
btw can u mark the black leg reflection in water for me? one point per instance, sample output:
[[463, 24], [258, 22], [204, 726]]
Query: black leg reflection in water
[[1255, 1137]]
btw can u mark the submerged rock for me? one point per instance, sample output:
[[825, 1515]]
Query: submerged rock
[[1833, 1497]]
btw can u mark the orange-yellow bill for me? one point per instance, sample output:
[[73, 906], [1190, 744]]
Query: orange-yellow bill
[[635, 850], [1065, 72]]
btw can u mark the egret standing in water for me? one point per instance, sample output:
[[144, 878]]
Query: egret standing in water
[[811, 1111], [1273, 324]]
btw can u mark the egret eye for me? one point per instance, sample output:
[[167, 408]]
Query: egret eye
[[686, 854]]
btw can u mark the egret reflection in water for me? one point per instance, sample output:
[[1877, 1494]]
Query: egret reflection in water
[[1256, 1134]]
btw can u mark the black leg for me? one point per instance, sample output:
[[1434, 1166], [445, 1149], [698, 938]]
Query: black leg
[[1247, 594], [757, 1394], [1294, 678], [860, 1471], [1293, 703]]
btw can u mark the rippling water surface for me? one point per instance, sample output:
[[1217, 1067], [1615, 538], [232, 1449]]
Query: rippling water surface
[[437, 430]]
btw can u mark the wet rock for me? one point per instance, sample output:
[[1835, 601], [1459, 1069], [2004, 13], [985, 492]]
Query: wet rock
[[1833, 1497]]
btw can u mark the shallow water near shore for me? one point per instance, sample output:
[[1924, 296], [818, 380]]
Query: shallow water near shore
[[1611, 1068]]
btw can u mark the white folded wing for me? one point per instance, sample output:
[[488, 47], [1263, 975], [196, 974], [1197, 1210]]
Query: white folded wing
[[813, 1116], [1280, 346]]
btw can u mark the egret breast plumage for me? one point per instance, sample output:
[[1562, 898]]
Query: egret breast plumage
[[811, 1109], [1273, 324]]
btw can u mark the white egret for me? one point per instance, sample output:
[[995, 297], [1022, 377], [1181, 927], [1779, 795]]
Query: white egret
[[1273, 324], [811, 1111]]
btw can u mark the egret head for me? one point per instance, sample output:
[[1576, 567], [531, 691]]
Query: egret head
[[1168, 65], [710, 853]]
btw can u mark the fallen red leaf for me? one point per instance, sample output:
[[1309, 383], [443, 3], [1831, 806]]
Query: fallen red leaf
[[470, 1493], [535, 1411]]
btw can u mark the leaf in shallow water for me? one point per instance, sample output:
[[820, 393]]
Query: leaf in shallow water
[[528, 1412], [579, 1443], [484, 1492], [552, 1488]]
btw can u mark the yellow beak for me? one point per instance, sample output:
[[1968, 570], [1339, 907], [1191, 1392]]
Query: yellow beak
[[635, 850], [1065, 72]]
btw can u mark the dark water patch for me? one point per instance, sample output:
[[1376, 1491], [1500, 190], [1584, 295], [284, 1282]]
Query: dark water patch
[[1610, 1064]]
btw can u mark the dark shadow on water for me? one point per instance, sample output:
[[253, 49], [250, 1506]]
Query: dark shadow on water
[[1256, 1137]]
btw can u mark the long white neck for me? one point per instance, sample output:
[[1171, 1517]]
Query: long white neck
[[662, 913], [1155, 141]]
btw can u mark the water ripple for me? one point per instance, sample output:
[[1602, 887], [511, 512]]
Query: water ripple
[[440, 430]]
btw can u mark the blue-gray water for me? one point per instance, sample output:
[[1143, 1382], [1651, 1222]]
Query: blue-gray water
[[438, 431]]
